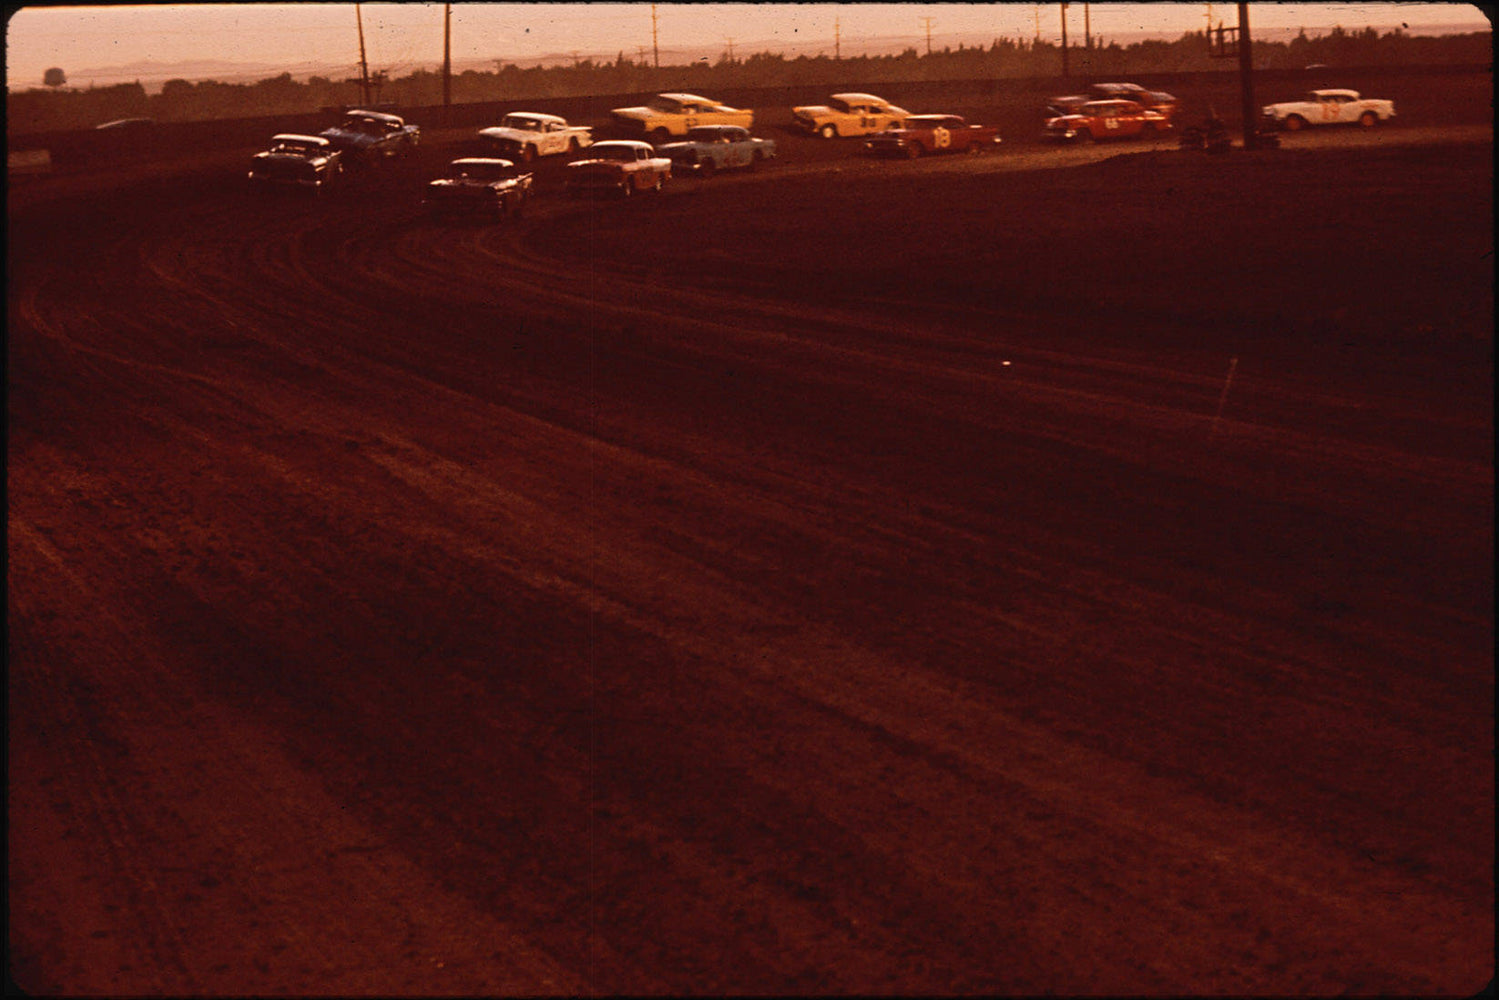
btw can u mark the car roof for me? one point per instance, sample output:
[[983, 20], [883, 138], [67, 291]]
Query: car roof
[[375, 115], [1112, 102], [311, 140], [686, 98], [633, 143], [853, 98], [931, 118], [481, 161], [536, 115], [1338, 91]]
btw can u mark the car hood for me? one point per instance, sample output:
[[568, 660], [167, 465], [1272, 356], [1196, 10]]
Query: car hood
[[355, 140], [513, 134], [463, 184], [270, 157], [812, 110], [638, 112]]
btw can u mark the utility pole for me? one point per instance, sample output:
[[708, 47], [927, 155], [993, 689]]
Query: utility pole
[[447, 55], [928, 22], [1246, 78], [730, 55], [1065, 70], [1037, 11], [1087, 28], [655, 49], [837, 40], [364, 66]]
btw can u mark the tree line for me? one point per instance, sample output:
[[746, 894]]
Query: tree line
[[38, 110]]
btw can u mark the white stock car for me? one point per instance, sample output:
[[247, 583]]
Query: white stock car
[[1329, 107], [525, 135]]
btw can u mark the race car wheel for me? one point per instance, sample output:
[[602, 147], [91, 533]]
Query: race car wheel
[[660, 182], [1368, 119], [572, 145], [755, 159], [527, 154], [659, 136], [707, 168], [828, 131], [1295, 123], [626, 187], [913, 150]]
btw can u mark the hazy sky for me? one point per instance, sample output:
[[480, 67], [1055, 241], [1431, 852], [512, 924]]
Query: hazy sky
[[402, 37]]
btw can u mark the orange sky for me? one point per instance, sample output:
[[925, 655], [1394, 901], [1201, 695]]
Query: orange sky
[[402, 37]]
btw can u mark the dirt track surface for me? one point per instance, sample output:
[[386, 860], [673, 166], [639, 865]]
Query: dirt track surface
[[854, 577]]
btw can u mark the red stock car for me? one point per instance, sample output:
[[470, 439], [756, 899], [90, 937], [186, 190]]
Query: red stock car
[[922, 135], [1099, 120]]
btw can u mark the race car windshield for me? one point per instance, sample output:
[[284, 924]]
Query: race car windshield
[[523, 124], [602, 152], [664, 104]]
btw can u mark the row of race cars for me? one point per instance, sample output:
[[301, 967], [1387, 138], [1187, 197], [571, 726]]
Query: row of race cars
[[687, 134]]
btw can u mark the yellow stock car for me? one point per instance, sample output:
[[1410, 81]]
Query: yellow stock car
[[667, 115], [848, 114]]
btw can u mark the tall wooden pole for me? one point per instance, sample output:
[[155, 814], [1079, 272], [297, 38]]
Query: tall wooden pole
[[447, 55], [364, 66], [1065, 68], [655, 49], [1246, 78]]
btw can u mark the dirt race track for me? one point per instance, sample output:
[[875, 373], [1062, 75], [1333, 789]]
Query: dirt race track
[[1048, 571]]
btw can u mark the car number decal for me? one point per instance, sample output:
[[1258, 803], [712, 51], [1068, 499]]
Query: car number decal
[[941, 137]]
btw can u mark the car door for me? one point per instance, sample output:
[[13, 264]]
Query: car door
[[550, 140], [735, 150], [1131, 122]]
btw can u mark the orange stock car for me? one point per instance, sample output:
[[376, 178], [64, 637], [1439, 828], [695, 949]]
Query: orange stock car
[[1113, 119]]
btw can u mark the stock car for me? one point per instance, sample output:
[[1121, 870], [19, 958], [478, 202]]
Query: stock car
[[847, 114], [479, 186], [621, 166], [922, 135], [711, 148], [666, 115], [525, 135], [299, 161], [1328, 107], [1154, 100], [364, 135], [1099, 120]]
